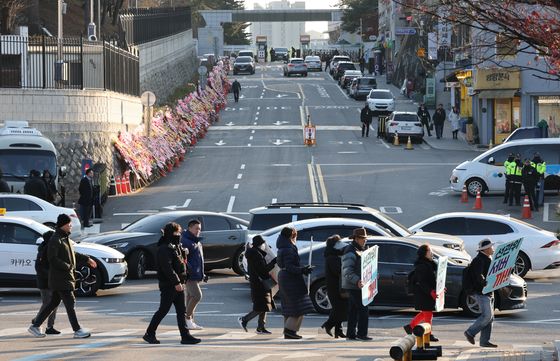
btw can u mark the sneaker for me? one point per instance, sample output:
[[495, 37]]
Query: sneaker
[[191, 325], [52, 331], [81, 333], [242, 323], [263, 331], [189, 340], [35, 331], [469, 337], [489, 344], [151, 339]]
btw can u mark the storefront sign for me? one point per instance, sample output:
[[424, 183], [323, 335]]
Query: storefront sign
[[497, 79], [369, 274], [432, 46], [305, 39], [503, 262]]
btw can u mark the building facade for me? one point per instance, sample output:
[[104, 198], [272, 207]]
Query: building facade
[[279, 34]]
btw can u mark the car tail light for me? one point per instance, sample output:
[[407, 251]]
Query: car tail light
[[290, 65], [393, 124], [555, 243]]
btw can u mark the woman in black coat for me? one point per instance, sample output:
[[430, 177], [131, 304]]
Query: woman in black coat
[[424, 281], [339, 305], [293, 291], [258, 271]]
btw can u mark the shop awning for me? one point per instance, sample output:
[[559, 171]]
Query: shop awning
[[497, 94]]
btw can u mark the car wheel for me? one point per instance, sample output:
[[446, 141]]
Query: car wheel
[[469, 305], [88, 281], [522, 265], [474, 185], [320, 298], [237, 261], [137, 265]]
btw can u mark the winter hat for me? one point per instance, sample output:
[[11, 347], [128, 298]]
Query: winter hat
[[358, 233], [257, 241], [484, 244], [63, 219]]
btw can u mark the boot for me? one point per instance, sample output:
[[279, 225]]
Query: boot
[[188, 339], [291, 335], [339, 333], [328, 328], [433, 338]]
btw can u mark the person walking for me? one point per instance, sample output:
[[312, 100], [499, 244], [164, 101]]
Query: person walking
[[4, 187], [339, 304], [478, 271], [366, 117], [424, 115], [424, 289], [258, 270], [172, 274], [509, 169], [530, 177], [42, 271], [358, 314], [48, 179], [35, 186], [236, 88], [454, 118], [293, 291], [190, 239], [439, 120], [86, 197], [62, 267]]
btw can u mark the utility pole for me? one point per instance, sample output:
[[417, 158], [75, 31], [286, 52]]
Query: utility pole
[[59, 33]]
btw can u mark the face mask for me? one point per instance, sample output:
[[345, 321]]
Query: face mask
[[262, 247]]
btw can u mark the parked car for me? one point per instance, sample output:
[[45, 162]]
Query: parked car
[[361, 87], [334, 62], [19, 238], [486, 171], [405, 124], [244, 64], [527, 133], [277, 214], [396, 261], [281, 54], [381, 101], [347, 77], [248, 53], [313, 63], [341, 67], [295, 66], [540, 249], [223, 237], [24, 205]]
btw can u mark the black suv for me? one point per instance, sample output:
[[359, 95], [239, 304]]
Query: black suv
[[342, 67]]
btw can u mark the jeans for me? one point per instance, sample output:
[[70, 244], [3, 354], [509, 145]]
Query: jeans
[[262, 318], [169, 296], [69, 301], [439, 130], [358, 314], [483, 323]]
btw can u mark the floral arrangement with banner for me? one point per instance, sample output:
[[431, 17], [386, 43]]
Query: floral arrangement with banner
[[173, 131]]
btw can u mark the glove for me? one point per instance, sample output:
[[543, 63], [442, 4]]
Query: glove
[[433, 294], [307, 270], [205, 279]]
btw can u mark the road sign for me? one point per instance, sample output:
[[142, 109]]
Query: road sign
[[148, 98], [405, 31], [503, 263], [421, 52]]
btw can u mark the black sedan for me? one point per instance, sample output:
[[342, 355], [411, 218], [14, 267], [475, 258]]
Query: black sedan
[[223, 238], [396, 261]]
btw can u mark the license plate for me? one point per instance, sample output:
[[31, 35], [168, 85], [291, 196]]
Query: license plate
[[406, 128]]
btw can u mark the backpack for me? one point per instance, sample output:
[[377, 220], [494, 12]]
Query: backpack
[[42, 261], [467, 280]]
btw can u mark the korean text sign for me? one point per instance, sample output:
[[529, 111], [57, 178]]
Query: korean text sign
[[503, 262], [440, 283], [369, 274]]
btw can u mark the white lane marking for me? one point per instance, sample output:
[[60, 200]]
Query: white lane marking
[[134, 214], [391, 210], [312, 183], [257, 113], [248, 144], [230, 204], [240, 175], [253, 131], [256, 118], [234, 335], [281, 165], [343, 93], [251, 137], [117, 333], [347, 152], [12, 331], [384, 144], [242, 166], [302, 116], [258, 107], [388, 164], [255, 123], [274, 200], [236, 186], [322, 184], [240, 289], [187, 202]]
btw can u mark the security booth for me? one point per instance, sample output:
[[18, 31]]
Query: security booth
[[261, 48]]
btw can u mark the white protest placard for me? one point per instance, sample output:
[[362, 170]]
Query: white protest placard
[[503, 262], [369, 274], [440, 283]]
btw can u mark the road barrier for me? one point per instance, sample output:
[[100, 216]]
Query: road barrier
[[119, 186], [396, 139], [112, 187], [401, 349], [409, 144], [381, 126], [464, 194], [423, 349], [478, 201], [526, 212]]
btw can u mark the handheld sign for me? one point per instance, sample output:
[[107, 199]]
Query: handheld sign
[[369, 274], [440, 283], [503, 262], [309, 263]]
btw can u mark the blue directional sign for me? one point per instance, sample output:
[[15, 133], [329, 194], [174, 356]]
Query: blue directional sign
[[405, 31]]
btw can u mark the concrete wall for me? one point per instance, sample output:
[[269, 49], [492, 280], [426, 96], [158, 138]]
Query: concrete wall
[[167, 63]]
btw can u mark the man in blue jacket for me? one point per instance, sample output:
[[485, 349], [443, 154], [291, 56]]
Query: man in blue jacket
[[190, 240]]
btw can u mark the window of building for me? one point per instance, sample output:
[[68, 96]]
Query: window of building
[[507, 117], [548, 109], [505, 46]]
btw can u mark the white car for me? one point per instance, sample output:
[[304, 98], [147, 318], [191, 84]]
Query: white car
[[540, 249], [313, 63], [404, 124], [24, 205], [19, 238], [381, 101]]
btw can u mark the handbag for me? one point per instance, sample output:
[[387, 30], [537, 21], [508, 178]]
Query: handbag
[[268, 283]]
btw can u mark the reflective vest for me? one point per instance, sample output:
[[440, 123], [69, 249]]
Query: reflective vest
[[517, 170], [509, 166], [540, 167]]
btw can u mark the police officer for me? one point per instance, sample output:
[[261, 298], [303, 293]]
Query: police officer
[[540, 166], [516, 180], [530, 178], [508, 165]]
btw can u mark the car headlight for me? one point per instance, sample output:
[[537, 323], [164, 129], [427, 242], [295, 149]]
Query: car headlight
[[118, 245], [113, 260]]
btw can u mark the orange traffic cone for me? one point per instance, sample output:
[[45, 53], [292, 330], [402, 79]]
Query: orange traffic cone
[[464, 195], [123, 184], [119, 186], [526, 212], [127, 182], [478, 202]]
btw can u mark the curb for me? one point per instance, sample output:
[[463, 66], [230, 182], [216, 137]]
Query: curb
[[557, 349]]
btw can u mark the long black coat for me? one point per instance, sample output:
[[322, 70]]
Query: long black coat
[[259, 270], [333, 266], [439, 116], [4, 186], [86, 192], [424, 283], [35, 186], [424, 115], [293, 291], [62, 262]]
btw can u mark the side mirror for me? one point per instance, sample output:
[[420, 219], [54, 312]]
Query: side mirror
[[62, 171], [39, 240], [491, 160]]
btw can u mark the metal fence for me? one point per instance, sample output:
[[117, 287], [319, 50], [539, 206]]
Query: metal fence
[[144, 25], [40, 62]]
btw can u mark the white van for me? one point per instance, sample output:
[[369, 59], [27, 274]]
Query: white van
[[486, 172]]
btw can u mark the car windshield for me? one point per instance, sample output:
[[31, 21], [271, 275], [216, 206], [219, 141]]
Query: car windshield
[[405, 118], [346, 66], [296, 61], [380, 95], [243, 59], [312, 58], [368, 81], [18, 162], [150, 224], [281, 50]]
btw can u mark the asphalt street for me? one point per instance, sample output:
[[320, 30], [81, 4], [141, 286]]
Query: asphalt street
[[252, 157]]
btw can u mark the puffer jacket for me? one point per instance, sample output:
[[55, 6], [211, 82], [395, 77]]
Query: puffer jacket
[[351, 266], [195, 260], [172, 268]]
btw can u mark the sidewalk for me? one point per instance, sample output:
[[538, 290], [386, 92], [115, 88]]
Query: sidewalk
[[515, 354], [447, 142]]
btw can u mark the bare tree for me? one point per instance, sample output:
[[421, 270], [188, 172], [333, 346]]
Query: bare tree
[[11, 10]]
